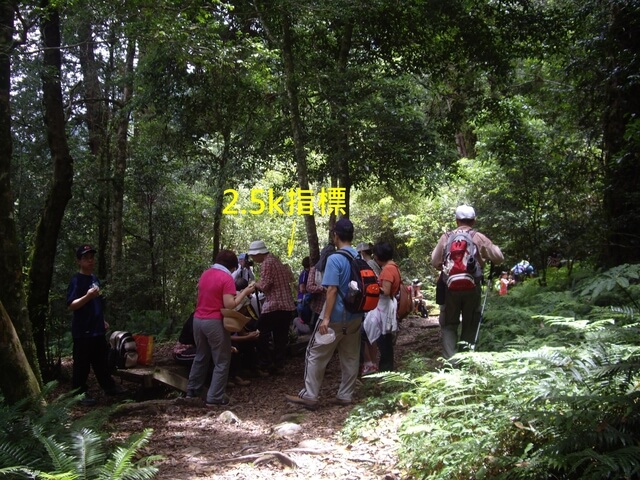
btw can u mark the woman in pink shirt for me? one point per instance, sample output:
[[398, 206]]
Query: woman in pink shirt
[[216, 290]]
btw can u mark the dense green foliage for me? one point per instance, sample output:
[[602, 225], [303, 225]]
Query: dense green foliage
[[553, 393], [526, 110], [41, 440]]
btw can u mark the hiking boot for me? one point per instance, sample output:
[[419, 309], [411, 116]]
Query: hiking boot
[[219, 403], [342, 402], [87, 401], [192, 394], [306, 403]]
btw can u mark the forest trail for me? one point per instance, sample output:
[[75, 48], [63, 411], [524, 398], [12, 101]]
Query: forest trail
[[261, 436]]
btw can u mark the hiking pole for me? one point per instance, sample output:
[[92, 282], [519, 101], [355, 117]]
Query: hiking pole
[[484, 304]]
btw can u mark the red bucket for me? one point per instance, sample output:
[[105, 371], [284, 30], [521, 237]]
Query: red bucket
[[144, 344]]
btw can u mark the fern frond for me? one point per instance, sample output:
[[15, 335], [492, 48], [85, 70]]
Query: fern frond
[[12, 454], [402, 378], [620, 463], [628, 312], [89, 454], [62, 462], [121, 466], [22, 471]]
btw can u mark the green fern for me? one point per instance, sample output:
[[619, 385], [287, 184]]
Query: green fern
[[85, 459], [121, 466], [620, 277], [41, 440], [557, 397]]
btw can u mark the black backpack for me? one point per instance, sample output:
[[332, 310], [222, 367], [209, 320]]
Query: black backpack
[[364, 292], [123, 352]]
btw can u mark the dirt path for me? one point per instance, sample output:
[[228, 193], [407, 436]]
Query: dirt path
[[197, 442]]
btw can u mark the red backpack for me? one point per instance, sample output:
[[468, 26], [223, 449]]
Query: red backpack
[[364, 292], [460, 266]]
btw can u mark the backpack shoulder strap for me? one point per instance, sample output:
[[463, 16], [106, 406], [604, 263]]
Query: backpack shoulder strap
[[350, 258], [345, 253]]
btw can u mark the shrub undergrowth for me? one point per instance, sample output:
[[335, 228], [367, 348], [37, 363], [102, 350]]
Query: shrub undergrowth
[[553, 392]]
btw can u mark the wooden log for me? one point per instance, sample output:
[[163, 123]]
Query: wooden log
[[171, 378], [148, 376]]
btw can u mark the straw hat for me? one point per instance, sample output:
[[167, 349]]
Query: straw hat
[[233, 321]]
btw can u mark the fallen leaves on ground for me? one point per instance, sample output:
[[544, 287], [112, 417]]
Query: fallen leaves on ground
[[248, 441]]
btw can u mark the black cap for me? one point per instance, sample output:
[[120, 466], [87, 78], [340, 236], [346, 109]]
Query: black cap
[[82, 249], [343, 227]]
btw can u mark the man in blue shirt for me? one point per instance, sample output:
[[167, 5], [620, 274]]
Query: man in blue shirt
[[90, 348], [335, 317]]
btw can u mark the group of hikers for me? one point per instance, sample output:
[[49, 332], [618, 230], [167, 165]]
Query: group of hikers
[[242, 324]]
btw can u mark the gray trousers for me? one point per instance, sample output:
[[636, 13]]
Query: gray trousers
[[465, 303], [213, 342], [318, 356]]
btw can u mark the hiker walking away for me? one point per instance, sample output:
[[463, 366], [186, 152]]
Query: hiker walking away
[[278, 310], [88, 328], [336, 277], [522, 270], [463, 301]]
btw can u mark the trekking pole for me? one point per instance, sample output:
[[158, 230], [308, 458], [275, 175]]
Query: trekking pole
[[484, 304]]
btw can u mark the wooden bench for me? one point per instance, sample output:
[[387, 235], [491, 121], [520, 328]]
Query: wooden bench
[[173, 376]]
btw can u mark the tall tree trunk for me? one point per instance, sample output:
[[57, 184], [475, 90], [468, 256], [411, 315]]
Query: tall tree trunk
[[11, 279], [97, 120], [96, 111], [342, 158], [19, 381], [120, 166], [297, 129], [218, 188], [44, 252], [622, 149]]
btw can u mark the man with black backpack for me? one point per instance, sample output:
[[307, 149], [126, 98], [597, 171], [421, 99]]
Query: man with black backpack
[[460, 255], [338, 327]]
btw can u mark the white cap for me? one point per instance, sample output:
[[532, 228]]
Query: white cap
[[465, 212], [257, 247]]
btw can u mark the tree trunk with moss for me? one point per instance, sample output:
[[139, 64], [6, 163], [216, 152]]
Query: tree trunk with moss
[[17, 380], [46, 239]]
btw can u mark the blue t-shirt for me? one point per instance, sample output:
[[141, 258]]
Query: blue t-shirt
[[302, 279], [88, 320], [338, 273]]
